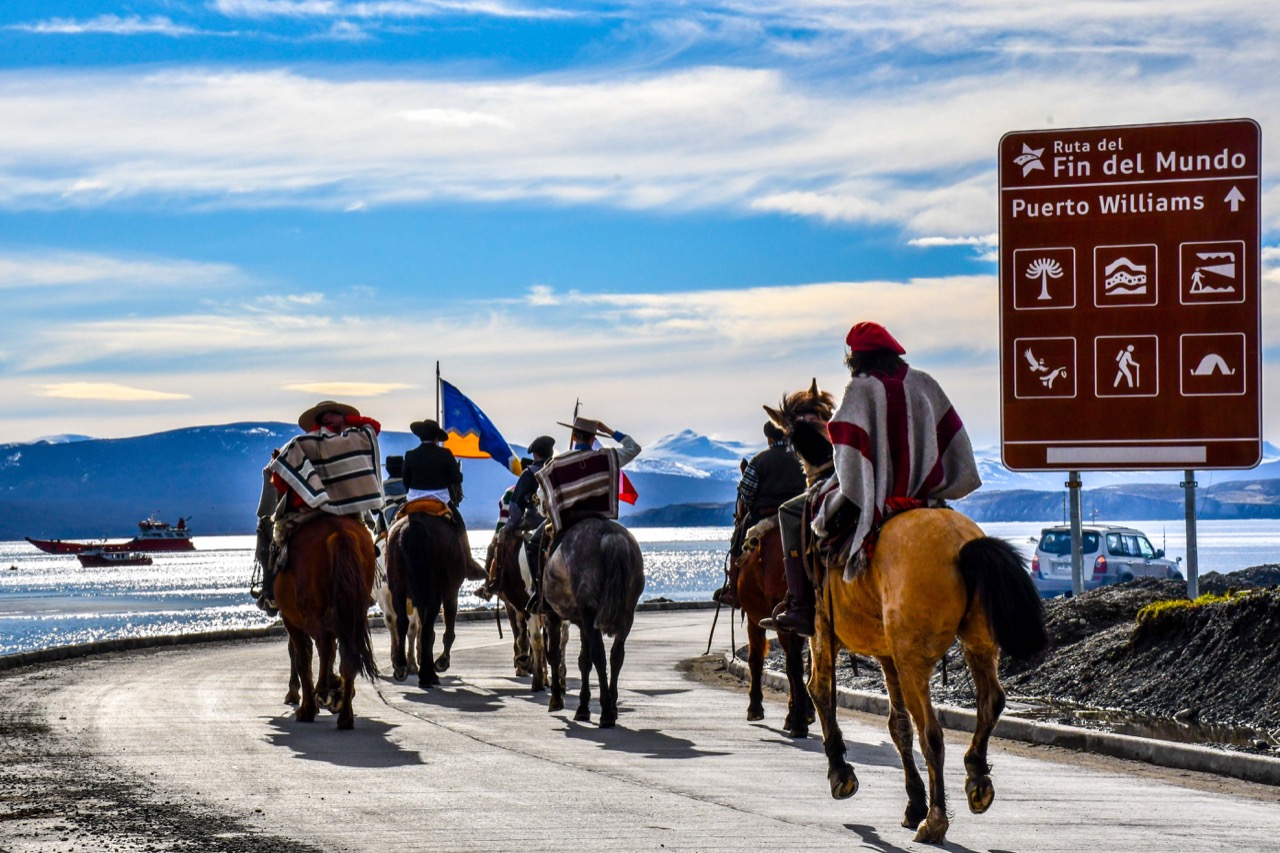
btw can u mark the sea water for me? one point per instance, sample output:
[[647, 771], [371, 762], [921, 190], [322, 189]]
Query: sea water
[[49, 600]]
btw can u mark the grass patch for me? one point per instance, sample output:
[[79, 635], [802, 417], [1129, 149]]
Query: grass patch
[[1158, 610]]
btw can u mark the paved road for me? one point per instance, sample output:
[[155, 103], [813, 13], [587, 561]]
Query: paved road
[[481, 765]]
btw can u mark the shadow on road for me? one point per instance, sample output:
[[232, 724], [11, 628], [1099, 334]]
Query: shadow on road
[[647, 743], [367, 745]]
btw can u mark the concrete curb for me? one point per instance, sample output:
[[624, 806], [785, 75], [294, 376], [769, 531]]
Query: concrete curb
[[128, 644], [1180, 756]]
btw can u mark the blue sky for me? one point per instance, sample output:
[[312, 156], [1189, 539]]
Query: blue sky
[[221, 210]]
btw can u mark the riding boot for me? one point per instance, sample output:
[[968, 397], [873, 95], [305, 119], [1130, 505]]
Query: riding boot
[[267, 596], [796, 612]]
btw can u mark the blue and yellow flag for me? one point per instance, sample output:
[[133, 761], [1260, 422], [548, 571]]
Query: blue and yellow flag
[[471, 434]]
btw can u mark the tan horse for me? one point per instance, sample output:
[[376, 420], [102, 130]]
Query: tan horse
[[934, 577]]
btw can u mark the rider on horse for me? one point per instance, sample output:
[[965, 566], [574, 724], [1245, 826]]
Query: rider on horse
[[522, 511], [773, 476], [297, 481], [898, 444], [592, 473]]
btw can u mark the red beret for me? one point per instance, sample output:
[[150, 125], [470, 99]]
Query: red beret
[[865, 337]]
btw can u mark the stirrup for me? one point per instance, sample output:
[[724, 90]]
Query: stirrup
[[484, 592]]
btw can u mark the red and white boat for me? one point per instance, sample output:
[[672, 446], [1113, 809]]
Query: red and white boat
[[153, 535]]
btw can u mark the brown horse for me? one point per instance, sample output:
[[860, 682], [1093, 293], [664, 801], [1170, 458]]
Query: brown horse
[[761, 585], [594, 579], [426, 562], [934, 577], [323, 595], [510, 565]]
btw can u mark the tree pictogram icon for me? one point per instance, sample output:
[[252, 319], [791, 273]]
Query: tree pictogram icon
[[1044, 269]]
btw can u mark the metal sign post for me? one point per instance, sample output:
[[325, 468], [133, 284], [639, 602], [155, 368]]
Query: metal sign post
[[1193, 567], [1077, 536]]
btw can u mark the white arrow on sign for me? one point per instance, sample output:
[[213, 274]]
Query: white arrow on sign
[[1234, 198]]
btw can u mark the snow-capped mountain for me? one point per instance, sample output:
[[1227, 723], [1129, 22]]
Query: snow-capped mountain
[[690, 454]]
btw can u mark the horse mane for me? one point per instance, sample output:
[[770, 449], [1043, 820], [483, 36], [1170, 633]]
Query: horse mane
[[808, 404]]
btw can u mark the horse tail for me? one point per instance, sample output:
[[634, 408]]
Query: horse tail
[[614, 606], [417, 550], [997, 573], [351, 605]]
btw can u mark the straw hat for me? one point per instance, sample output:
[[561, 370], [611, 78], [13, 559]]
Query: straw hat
[[586, 425], [308, 419]]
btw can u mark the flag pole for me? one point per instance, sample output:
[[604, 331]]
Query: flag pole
[[438, 415]]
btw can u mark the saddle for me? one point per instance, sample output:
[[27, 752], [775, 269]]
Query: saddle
[[836, 548], [430, 506], [756, 533]]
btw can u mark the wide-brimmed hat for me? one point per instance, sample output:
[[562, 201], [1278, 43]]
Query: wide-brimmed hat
[[587, 426], [428, 431], [867, 337], [308, 419], [543, 446]]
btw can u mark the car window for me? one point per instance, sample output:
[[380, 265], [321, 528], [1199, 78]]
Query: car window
[[1056, 542], [1090, 543], [1144, 547], [1115, 545]]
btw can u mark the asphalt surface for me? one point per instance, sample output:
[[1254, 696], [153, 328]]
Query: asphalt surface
[[480, 764]]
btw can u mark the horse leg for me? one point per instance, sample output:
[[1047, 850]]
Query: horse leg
[[301, 644], [914, 683], [555, 655], [983, 664], [427, 676], [823, 649], [450, 615], [329, 687], [586, 653], [400, 620], [411, 649], [344, 693], [522, 656], [799, 708], [291, 697], [900, 731], [537, 651], [609, 695], [757, 648]]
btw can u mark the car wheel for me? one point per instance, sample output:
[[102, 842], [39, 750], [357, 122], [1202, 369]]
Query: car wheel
[[1125, 578]]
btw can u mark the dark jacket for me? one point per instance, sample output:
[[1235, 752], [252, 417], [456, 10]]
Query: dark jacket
[[779, 477], [522, 497], [429, 467]]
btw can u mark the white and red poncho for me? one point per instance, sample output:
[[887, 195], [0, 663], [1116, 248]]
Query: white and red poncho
[[894, 436]]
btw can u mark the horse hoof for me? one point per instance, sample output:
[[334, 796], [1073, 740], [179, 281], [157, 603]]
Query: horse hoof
[[931, 832], [291, 699], [583, 714], [305, 716], [915, 814], [981, 794], [754, 714], [346, 724], [427, 682], [797, 732], [442, 664], [609, 721], [398, 673], [843, 781], [556, 704]]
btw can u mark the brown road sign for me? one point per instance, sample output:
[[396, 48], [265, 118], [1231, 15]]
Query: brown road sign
[[1130, 323]]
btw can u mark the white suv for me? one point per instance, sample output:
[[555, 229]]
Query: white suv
[[1111, 555]]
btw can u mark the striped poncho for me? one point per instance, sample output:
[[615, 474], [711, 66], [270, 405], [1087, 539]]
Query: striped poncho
[[333, 472], [894, 437]]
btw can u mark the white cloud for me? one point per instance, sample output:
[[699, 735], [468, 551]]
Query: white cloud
[[108, 24], [382, 9], [54, 268], [918, 155], [106, 391], [348, 389]]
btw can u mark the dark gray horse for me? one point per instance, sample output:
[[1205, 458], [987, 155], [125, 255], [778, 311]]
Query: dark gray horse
[[593, 579]]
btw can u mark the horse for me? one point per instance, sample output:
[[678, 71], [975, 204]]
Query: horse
[[382, 597], [323, 596], [427, 563], [761, 586], [933, 577], [514, 585], [593, 578]]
